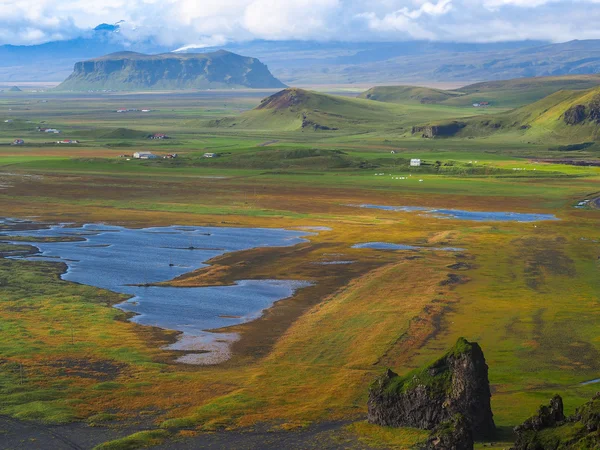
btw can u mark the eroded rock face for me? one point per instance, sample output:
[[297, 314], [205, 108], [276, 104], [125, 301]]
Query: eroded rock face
[[547, 416], [457, 383], [454, 434], [550, 430], [574, 115], [445, 130]]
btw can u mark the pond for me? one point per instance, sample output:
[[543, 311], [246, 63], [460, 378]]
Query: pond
[[121, 259], [480, 216]]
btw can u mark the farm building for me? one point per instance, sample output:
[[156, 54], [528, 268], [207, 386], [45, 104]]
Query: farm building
[[18, 142], [210, 155], [159, 136], [415, 162], [144, 155], [67, 141]]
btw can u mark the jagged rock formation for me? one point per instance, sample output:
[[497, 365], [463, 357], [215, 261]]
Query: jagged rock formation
[[454, 434], [547, 416], [550, 430], [432, 131], [457, 383], [15, 89], [131, 71]]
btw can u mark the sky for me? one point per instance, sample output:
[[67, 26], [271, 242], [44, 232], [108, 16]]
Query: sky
[[200, 23]]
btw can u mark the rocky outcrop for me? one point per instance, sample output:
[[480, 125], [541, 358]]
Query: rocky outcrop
[[306, 123], [131, 71], [549, 429], [457, 383], [574, 115], [547, 416], [445, 130], [580, 113], [454, 434]]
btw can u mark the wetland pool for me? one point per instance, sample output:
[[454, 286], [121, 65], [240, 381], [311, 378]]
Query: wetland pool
[[479, 216], [121, 259]]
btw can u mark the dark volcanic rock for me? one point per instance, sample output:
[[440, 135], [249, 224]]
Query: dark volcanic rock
[[550, 430], [547, 416], [574, 115], [432, 131], [454, 434], [457, 383]]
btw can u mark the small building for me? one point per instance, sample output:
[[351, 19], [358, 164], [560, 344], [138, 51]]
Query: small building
[[18, 142], [210, 155], [159, 136], [8, 121], [146, 110], [170, 156], [144, 155], [121, 110], [393, 152], [68, 141], [51, 130], [415, 162]]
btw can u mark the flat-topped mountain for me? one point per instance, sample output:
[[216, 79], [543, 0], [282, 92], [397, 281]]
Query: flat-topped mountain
[[135, 71]]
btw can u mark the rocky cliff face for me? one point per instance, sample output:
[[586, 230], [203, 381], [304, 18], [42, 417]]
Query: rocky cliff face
[[580, 113], [454, 434], [131, 71], [549, 429], [455, 384], [432, 131]]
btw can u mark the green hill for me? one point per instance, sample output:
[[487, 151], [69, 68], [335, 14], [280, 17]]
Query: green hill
[[563, 117], [168, 71], [404, 94], [297, 109], [503, 94]]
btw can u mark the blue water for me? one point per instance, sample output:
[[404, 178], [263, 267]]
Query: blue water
[[118, 258], [390, 246], [481, 216]]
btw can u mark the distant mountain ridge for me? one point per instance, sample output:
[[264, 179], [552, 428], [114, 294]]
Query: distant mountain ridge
[[311, 62], [135, 71]]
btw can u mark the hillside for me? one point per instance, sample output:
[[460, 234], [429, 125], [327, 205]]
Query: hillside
[[566, 117], [136, 71], [297, 109], [403, 94], [504, 94]]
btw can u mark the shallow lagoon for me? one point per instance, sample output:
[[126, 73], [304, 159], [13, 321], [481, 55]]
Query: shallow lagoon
[[118, 259], [480, 216]]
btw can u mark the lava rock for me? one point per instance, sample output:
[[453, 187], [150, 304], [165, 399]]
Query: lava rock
[[457, 383]]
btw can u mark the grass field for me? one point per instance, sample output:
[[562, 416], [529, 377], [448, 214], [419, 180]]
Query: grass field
[[529, 297]]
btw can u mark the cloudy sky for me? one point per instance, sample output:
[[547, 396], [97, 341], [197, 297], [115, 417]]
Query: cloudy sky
[[216, 22]]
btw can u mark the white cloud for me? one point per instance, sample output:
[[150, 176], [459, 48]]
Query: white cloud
[[214, 22]]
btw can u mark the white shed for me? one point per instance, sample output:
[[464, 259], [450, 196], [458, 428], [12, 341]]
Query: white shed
[[144, 155], [415, 162]]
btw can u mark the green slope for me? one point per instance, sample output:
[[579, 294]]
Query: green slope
[[502, 94], [408, 94], [565, 117], [299, 110]]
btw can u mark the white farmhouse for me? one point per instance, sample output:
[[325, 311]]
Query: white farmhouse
[[415, 162], [144, 155]]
